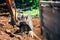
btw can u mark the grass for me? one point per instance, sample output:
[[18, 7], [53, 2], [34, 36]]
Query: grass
[[33, 12]]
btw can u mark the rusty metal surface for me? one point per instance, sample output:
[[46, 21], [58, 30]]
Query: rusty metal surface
[[50, 19]]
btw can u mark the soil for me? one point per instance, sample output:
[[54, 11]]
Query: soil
[[6, 27]]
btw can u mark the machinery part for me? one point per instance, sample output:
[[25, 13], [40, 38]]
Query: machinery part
[[50, 19]]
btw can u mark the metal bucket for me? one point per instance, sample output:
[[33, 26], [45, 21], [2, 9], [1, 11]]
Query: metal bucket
[[50, 19]]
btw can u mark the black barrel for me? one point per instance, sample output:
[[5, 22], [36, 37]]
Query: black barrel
[[50, 19]]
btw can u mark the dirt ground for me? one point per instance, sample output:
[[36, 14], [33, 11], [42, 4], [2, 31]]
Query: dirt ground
[[5, 26]]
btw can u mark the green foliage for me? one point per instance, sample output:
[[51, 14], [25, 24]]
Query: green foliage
[[28, 7], [28, 3], [35, 4], [33, 12]]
